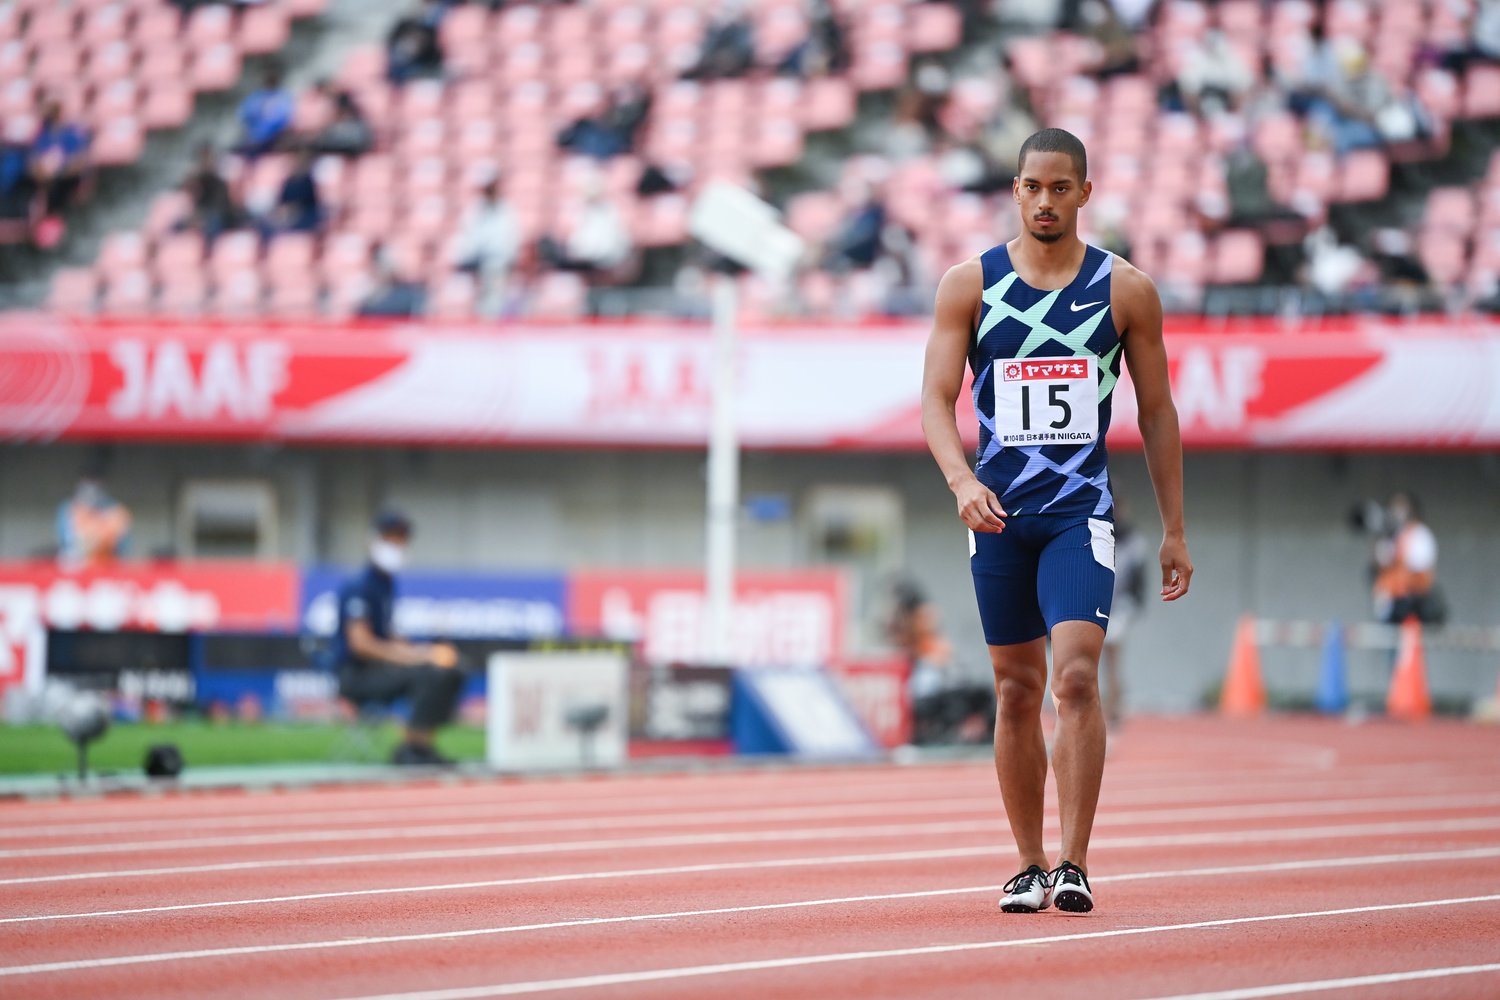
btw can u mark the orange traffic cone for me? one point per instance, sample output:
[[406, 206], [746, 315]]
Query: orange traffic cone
[[1408, 697], [1244, 693]]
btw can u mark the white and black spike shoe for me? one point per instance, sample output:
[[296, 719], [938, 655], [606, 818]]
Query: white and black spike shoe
[[1069, 890], [1026, 892]]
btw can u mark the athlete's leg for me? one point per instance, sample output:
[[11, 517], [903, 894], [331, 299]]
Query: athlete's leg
[[1078, 742], [1020, 749]]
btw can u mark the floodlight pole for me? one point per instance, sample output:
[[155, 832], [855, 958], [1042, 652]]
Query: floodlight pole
[[723, 476]]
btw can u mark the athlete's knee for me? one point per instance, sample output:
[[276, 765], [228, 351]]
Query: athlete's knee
[[1075, 682], [1019, 696]]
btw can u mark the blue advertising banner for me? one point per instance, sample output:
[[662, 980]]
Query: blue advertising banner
[[453, 606]]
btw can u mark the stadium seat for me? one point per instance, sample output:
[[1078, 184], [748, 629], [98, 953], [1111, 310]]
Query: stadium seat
[[74, 291], [264, 30]]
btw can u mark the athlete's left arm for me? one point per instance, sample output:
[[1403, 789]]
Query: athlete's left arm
[[1137, 307]]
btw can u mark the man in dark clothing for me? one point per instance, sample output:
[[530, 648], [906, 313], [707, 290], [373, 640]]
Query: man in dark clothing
[[375, 665], [413, 49], [299, 208], [59, 158], [214, 209]]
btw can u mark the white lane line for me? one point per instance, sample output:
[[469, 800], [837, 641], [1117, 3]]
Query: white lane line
[[721, 789], [453, 935], [1240, 794], [1469, 854], [1351, 982], [747, 817], [685, 972], [1213, 838]]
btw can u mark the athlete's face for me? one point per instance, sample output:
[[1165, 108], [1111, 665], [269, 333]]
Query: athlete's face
[[1050, 193]]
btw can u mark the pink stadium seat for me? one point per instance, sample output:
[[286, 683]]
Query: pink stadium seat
[[559, 296], [662, 221], [829, 104], [1367, 176], [363, 66], [629, 62], [814, 215], [52, 27], [74, 291], [290, 255], [167, 104], [127, 293], [216, 67], [105, 24], [464, 27], [345, 253], [264, 30], [179, 253], [305, 8], [120, 141], [118, 97], [1481, 95], [208, 26], [233, 254], [1450, 210], [55, 66], [1278, 137], [1444, 257], [454, 299], [1238, 257], [880, 66], [164, 64], [934, 27], [183, 294], [167, 209], [294, 296], [156, 28], [237, 295], [776, 143], [13, 61]]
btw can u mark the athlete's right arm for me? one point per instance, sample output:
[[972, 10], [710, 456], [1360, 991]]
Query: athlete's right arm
[[942, 380]]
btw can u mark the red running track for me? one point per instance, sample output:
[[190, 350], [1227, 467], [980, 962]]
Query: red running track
[[1272, 858]]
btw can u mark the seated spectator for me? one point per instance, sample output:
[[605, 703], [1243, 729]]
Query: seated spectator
[[598, 241], [1360, 111], [728, 47], [17, 190], [58, 163], [349, 133], [92, 526], [825, 51], [265, 116], [1250, 203], [1213, 78], [611, 129], [1483, 43], [489, 240], [1118, 47], [858, 241], [396, 295], [213, 207], [413, 50], [299, 207]]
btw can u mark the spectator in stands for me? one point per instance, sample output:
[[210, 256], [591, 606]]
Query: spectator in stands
[[1361, 111], [598, 241], [728, 47], [413, 48], [58, 163], [858, 241], [1483, 43], [488, 243], [1119, 51], [1250, 202], [212, 206], [17, 191], [1213, 78], [825, 51], [349, 133], [611, 129], [265, 115], [92, 526], [396, 295], [299, 207], [1333, 269], [376, 666]]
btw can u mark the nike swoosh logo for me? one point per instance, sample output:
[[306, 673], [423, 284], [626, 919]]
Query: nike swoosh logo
[[1101, 614], [1076, 306]]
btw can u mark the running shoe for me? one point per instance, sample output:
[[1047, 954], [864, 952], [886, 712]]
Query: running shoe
[[1070, 889], [1027, 892]]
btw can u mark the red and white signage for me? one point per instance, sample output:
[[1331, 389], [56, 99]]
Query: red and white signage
[[1369, 382], [792, 618], [877, 690], [254, 597]]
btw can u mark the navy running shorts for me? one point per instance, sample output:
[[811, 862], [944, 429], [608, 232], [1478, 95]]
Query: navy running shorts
[[1042, 570]]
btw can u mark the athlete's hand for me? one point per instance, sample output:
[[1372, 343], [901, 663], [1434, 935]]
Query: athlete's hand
[[440, 654], [978, 507], [1176, 568]]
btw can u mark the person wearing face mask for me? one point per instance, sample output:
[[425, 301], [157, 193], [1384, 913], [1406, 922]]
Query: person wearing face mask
[[92, 526], [377, 666]]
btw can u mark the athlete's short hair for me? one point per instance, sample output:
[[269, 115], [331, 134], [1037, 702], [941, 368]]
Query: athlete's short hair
[[1055, 140]]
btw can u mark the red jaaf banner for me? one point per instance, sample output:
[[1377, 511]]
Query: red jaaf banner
[[1366, 383], [178, 597], [790, 618]]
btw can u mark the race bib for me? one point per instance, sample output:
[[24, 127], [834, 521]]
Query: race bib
[[1047, 401]]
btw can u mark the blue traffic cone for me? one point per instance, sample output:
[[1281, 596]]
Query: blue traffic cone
[[1333, 687]]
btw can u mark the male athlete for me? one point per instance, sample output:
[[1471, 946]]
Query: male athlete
[[1043, 321]]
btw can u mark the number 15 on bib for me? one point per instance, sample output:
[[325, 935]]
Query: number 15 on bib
[[1042, 401]]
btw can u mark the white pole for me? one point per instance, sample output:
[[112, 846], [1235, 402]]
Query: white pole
[[723, 477]]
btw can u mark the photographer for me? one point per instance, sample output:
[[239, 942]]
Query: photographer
[[1405, 566]]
